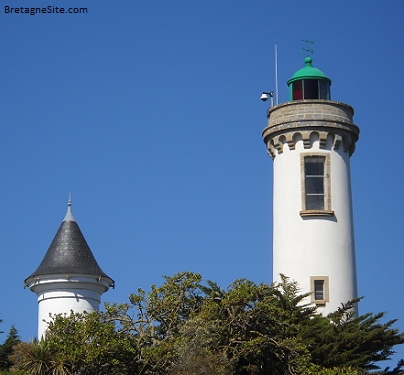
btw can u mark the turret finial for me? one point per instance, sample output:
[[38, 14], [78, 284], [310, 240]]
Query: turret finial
[[69, 216]]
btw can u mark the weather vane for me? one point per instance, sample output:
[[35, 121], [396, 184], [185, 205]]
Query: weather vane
[[307, 49]]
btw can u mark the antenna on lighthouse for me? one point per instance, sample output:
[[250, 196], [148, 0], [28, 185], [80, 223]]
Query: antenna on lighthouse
[[264, 96], [276, 74]]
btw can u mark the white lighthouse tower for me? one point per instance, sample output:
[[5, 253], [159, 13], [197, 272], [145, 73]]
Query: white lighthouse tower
[[311, 138], [69, 277]]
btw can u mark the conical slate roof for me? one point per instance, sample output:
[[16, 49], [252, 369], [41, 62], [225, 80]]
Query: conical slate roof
[[69, 253]]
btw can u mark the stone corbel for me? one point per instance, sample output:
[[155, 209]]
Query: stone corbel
[[306, 138], [347, 143], [278, 144], [271, 150], [337, 142], [290, 141], [323, 139]]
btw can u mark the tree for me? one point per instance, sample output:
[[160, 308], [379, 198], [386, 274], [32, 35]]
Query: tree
[[6, 348], [198, 350], [84, 344], [184, 327], [258, 329], [92, 345], [360, 342], [38, 358], [160, 316]]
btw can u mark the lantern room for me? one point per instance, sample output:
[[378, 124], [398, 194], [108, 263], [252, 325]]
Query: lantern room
[[309, 83]]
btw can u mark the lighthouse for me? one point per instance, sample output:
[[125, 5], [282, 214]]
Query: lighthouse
[[68, 278], [311, 139]]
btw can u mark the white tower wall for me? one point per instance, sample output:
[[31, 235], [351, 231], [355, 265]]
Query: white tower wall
[[313, 245]]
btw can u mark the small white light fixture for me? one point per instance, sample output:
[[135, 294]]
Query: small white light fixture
[[264, 97]]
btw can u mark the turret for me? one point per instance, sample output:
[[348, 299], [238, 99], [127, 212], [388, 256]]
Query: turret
[[68, 278]]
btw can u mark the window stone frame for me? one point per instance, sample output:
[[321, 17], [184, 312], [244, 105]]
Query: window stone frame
[[326, 281], [327, 185]]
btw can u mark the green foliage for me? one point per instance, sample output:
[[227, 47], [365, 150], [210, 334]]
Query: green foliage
[[248, 329], [258, 327], [318, 370], [198, 350], [80, 343], [160, 317], [359, 342], [36, 358], [91, 345], [6, 349], [185, 327]]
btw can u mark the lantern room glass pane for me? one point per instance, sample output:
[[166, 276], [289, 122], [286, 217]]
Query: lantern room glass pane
[[297, 93], [310, 89], [324, 90]]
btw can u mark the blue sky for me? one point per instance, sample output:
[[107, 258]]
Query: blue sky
[[149, 113]]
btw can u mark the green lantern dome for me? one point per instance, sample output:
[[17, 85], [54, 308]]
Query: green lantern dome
[[309, 83], [308, 72]]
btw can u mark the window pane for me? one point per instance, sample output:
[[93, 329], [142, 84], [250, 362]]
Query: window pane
[[315, 185], [314, 167], [319, 290], [310, 89], [314, 202], [314, 182]]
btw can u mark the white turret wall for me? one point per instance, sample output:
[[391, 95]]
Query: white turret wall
[[58, 295]]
